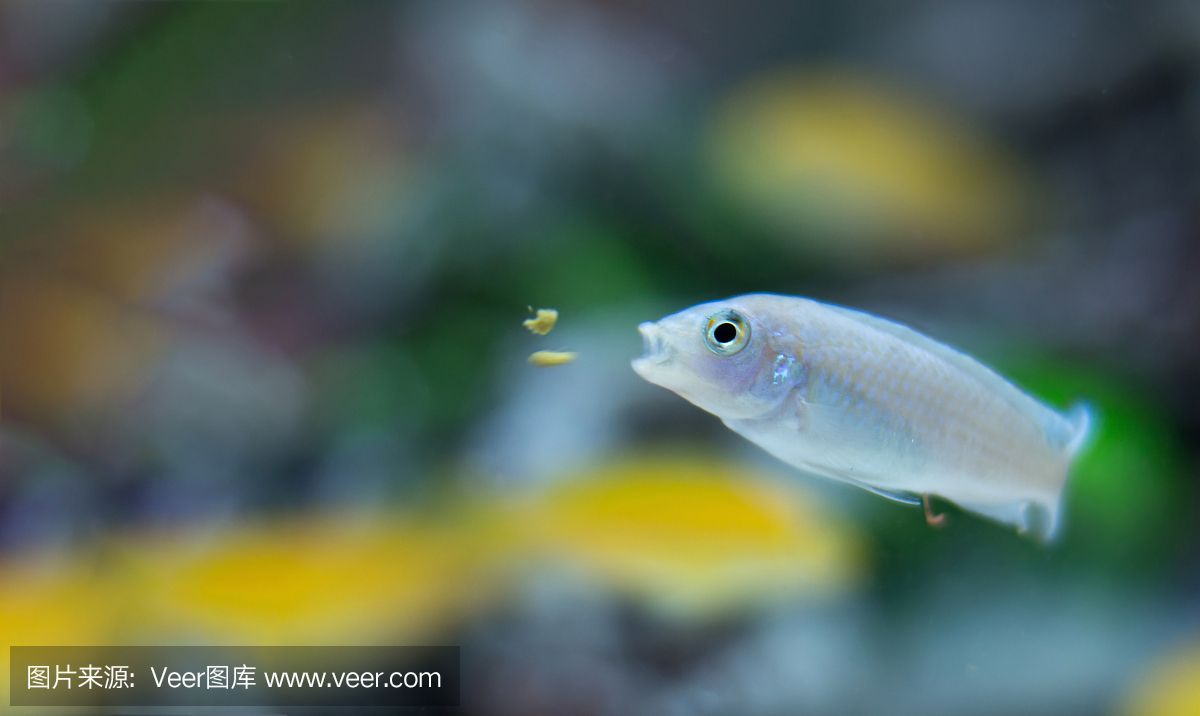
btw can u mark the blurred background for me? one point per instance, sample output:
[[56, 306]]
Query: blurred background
[[262, 375]]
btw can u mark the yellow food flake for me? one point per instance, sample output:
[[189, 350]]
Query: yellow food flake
[[544, 322], [549, 358]]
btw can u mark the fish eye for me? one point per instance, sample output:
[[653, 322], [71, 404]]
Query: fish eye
[[726, 333]]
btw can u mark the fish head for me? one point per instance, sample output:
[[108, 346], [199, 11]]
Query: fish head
[[721, 356]]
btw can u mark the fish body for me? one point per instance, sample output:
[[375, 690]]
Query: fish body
[[857, 398]]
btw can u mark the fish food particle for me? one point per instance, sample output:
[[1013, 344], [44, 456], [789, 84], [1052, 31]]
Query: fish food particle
[[551, 358], [543, 322]]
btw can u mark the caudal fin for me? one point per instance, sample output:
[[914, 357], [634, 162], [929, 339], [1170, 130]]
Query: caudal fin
[[1070, 434]]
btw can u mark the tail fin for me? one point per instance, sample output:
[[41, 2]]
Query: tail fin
[[1071, 433]]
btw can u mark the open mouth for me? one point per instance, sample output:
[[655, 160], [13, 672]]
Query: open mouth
[[654, 348], [652, 343]]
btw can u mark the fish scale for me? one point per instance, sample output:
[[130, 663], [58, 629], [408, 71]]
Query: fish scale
[[943, 407]]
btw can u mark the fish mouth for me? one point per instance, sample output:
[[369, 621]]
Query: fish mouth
[[655, 351]]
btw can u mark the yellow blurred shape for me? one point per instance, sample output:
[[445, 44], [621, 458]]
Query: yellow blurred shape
[[47, 602], [695, 535], [304, 580], [691, 535], [545, 359], [52, 602], [543, 322], [1170, 688], [861, 169]]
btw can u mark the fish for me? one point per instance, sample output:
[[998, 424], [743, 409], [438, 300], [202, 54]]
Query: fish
[[853, 397]]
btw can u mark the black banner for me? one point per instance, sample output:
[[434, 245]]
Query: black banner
[[340, 676]]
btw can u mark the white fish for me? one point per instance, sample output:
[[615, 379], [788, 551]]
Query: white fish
[[853, 397]]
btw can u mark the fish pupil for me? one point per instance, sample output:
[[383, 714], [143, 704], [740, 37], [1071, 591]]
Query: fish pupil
[[725, 332]]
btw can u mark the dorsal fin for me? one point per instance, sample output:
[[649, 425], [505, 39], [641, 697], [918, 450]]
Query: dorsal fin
[[1079, 419]]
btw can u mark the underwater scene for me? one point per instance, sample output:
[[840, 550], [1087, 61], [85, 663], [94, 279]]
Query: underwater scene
[[662, 357]]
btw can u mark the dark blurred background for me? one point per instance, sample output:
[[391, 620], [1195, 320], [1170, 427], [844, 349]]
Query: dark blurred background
[[262, 375]]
